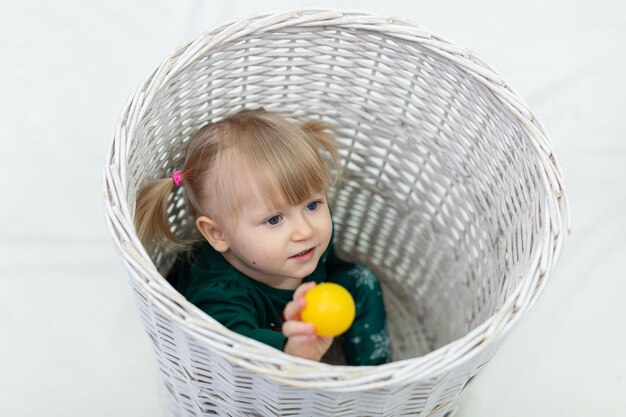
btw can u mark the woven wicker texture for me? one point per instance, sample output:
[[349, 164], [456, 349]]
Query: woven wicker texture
[[451, 192]]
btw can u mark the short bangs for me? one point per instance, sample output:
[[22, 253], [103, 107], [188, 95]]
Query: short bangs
[[283, 164]]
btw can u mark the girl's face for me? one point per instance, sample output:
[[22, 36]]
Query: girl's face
[[279, 248]]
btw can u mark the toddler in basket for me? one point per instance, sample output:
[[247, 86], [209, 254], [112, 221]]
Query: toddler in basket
[[256, 185]]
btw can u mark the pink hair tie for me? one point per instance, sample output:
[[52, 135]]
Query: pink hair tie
[[177, 177]]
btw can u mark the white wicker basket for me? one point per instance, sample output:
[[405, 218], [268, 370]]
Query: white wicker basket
[[451, 192]]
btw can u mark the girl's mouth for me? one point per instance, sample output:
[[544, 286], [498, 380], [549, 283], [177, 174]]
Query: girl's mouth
[[304, 255]]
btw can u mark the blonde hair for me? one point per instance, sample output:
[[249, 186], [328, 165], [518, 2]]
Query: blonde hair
[[284, 160]]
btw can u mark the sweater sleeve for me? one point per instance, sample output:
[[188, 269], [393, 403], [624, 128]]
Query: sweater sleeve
[[235, 307]]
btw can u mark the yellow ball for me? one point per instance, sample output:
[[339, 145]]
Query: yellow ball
[[330, 308]]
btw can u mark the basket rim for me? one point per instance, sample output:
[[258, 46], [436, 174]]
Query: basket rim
[[258, 357]]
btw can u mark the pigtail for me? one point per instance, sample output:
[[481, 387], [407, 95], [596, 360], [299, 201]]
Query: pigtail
[[151, 220], [315, 129]]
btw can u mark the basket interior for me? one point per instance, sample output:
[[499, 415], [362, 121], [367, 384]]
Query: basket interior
[[440, 193]]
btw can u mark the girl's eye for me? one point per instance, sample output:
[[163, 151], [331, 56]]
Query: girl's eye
[[312, 206], [274, 220]]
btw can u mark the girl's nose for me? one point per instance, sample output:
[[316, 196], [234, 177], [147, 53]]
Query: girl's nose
[[302, 230]]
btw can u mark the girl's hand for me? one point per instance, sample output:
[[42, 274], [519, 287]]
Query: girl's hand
[[301, 338]]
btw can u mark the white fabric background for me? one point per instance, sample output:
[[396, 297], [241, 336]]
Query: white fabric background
[[71, 343]]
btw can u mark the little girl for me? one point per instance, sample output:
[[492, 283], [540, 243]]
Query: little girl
[[256, 185]]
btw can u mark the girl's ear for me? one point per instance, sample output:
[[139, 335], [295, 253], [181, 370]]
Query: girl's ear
[[212, 232]]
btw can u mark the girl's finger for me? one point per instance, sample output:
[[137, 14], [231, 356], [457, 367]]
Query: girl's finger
[[300, 340], [298, 328], [293, 308], [303, 289]]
